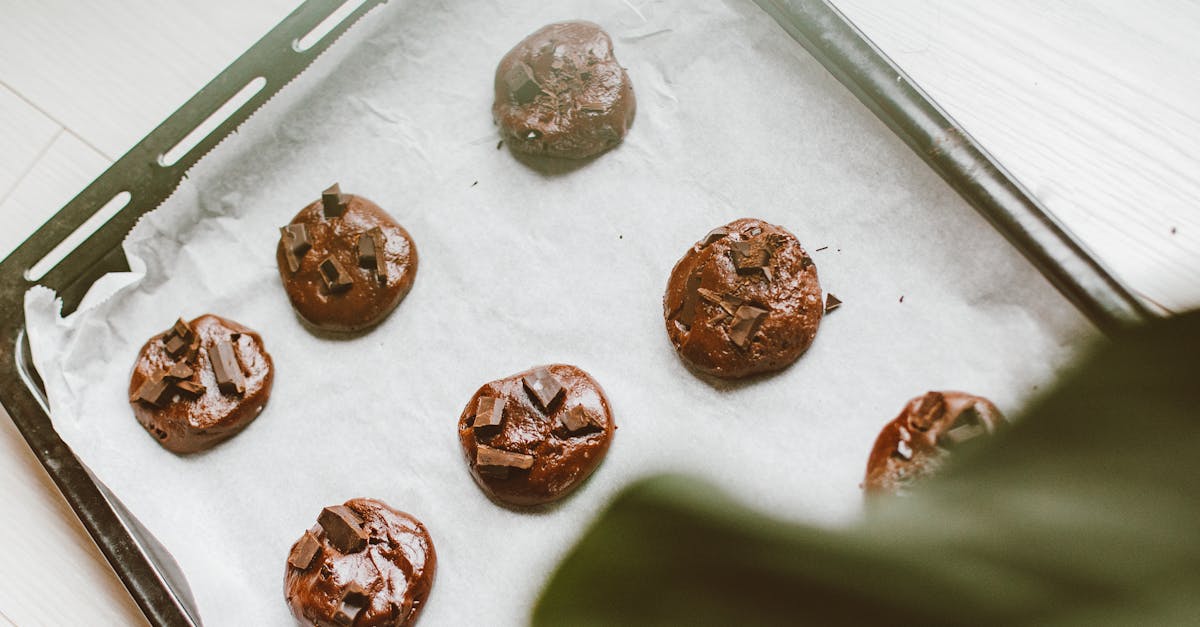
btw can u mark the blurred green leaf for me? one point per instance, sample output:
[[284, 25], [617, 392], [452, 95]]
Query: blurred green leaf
[[1086, 512]]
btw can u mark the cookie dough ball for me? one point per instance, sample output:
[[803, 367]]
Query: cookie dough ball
[[561, 93], [345, 263], [200, 382], [743, 300], [533, 437], [363, 564], [920, 440]]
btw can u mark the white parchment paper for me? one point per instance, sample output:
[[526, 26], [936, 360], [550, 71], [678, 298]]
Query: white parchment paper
[[522, 266]]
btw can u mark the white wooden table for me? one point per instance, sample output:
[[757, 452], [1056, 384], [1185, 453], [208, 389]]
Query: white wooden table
[[1094, 106]]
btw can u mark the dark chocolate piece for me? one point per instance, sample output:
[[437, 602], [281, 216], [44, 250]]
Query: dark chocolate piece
[[931, 409], [295, 243], [333, 203], [334, 276], [354, 601], [371, 252], [156, 390], [304, 551], [543, 387], [180, 371], [832, 302], [746, 321], [521, 83], [488, 456], [748, 257], [579, 418], [191, 388], [687, 312], [182, 329], [960, 434], [489, 412], [226, 368], [177, 346], [343, 528], [714, 235], [726, 302]]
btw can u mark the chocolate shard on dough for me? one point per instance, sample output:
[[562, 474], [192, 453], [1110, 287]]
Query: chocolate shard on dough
[[687, 312], [746, 321], [182, 329], [726, 302], [748, 257], [371, 252], [295, 243], [333, 204], [960, 434], [714, 235], [542, 387], [343, 528], [579, 418], [226, 368], [177, 346], [521, 84], [334, 276], [489, 412], [304, 551], [180, 371], [191, 388], [931, 409], [832, 302], [155, 390], [488, 456], [353, 602]]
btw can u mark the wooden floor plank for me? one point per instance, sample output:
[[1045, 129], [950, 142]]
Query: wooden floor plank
[[25, 133]]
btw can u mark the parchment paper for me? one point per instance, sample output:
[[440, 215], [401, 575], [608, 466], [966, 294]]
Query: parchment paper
[[520, 266]]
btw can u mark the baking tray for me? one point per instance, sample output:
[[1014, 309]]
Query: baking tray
[[145, 568]]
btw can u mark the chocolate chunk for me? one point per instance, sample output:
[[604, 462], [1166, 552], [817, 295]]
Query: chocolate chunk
[[295, 243], [226, 368], [754, 231], [354, 601], [729, 303], [304, 551], [333, 203], [714, 235], [687, 311], [343, 528], [747, 257], [542, 387], [960, 434], [177, 346], [521, 83], [832, 302], [182, 329], [154, 390], [488, 456], [579, 418], [932, 407], [190, 388], [489, 412], [746, 321], [371, 252], [334, 276], [180, 371]]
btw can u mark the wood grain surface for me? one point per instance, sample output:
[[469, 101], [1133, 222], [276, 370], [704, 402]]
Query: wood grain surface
[[1091, 105]]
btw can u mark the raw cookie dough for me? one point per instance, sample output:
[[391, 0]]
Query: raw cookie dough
[[533, 437], [199, 383], [917, 442], [744, 300], [363, 564], [345, 263], [561, 93]]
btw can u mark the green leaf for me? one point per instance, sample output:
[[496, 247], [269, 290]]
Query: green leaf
[[1086, 512]]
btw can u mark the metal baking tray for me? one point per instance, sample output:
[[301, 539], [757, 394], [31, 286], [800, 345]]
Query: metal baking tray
[[147, 570]]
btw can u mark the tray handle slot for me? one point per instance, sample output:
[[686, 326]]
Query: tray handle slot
[[84, 231], [326, 26], [211, 123]]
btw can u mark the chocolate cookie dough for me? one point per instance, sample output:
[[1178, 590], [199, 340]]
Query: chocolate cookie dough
[[561, 93], [744, 300], [918, 441], [363, 564], [199, 383], [533, 437], [345, 263]]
